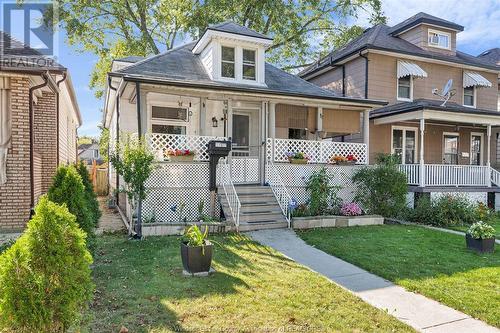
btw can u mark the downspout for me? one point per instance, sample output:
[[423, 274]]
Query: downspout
[[32, 141], [57, 117], [117, 134], [343, 80], [366, 73]]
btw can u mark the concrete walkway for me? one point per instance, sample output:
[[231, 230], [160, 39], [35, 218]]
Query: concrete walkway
[[110, 221], [420, 312]]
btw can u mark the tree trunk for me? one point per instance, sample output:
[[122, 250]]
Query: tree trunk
[[138, 226]]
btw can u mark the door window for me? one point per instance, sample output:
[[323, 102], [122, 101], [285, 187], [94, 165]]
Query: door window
[[241, 131], [476, 141], [450, 149], [404, 145]]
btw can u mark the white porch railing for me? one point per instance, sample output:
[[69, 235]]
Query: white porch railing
[[448, 175], [226, 181], [318, 151], [159, 143], [279, 189], [495, 177]]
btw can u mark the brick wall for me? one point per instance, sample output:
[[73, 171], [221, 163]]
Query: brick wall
[[45, 131], [15, 195]]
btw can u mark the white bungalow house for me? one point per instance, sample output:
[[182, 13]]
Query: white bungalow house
[[221, 87]]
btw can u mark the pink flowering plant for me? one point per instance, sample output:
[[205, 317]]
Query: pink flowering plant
[[298, 156], [351, 209]]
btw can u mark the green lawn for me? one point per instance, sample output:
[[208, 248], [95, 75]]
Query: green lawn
[[139, 285], [433, 263], [495, 224]]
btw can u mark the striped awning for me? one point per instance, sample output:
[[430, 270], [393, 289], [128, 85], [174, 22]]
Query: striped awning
[[475, 79], [406, 68]]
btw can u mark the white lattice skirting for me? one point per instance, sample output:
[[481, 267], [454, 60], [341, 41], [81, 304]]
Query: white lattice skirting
[[295, 176], [175, 184]]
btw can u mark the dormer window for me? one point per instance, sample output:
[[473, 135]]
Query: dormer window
[[248, 64], [439, 39], [227, 63]]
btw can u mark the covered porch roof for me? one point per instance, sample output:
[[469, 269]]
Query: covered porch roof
[[433, 110]]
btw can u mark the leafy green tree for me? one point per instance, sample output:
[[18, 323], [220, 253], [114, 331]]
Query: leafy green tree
[[382, 188], [134, 162], [67, 188], [112, 29], [104, 142], [45, 277], [90, 195]]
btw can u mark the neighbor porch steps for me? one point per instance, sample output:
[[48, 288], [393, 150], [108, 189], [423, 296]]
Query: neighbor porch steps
[[259, 208]]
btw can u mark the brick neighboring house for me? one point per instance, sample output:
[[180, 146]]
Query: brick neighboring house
[[443, 148], [36, 138]]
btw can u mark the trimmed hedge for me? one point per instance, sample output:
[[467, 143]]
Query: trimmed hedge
[[90, 195], [45, 276]]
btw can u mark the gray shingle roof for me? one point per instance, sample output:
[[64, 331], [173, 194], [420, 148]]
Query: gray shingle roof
[[234, 28], [492, 55], [379, 37], [429, 104], [180, 66], [424, 18], [15, 55], [131, 59]]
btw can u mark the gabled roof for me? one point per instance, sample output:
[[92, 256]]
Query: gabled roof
[[181, 67], [421, 18], [130, 59], [427, 104], [17, 56], [233, 28], [492, 55], [379, 38]]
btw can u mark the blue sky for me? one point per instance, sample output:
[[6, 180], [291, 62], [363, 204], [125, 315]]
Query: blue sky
[[481, 19]]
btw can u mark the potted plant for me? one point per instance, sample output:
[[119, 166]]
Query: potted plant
[[196, 250], [180, 155], [343, 160], [480, 237], [298, 158]]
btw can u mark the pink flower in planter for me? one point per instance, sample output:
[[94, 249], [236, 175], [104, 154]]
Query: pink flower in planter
[[351, 209]]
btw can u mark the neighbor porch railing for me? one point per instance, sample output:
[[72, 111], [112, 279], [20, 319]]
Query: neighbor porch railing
[[280, 191], [447, 175], [495, 177], [232, 199], [318, 151]]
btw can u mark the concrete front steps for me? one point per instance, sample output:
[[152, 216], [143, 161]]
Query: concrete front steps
[[259, 208]]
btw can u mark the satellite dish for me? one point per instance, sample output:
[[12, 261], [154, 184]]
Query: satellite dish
[[447, 92]]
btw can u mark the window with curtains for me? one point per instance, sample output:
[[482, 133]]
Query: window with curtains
[[439, 39]]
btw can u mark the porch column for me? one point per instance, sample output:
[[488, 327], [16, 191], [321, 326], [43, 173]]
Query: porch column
[[319, 122], [366, 134], [422, 163], [203, 116], [272, 120], [488, 155], [229, 133]]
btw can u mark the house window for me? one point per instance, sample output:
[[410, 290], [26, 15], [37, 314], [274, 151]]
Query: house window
[[227, 67], [165, 120], [248, 64], [168, 113], [96, 153], [469, 96], [405, 88], [297, 133], [404, 144], [168, 129], [439, 39]]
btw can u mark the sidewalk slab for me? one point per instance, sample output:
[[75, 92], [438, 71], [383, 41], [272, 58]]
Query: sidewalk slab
[[420, 312]]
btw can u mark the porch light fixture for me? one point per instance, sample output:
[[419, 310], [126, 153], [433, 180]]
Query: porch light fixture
[[215, 123]]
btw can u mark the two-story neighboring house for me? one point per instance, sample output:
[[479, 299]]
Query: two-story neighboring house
[[442, 147]]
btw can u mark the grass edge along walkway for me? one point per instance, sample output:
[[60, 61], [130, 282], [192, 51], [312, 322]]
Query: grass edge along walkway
[[433, 263]]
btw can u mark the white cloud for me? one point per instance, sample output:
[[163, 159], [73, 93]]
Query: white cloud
[[481, 19], [89, 128]]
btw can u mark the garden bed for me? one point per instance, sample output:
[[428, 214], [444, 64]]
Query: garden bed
[[139, 285], [335, 221], [170, 229], [433, 263]]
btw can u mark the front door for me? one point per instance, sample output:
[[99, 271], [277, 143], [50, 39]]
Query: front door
[[245, 154], [476, 148], [404, 144], [450, 149]]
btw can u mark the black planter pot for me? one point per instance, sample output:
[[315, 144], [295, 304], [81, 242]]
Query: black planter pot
[[196, 259], [480, 245]]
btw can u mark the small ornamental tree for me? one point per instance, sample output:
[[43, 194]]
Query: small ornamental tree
[[134, 162], [382, 188], [90, 195], [45, 277], [67, 188]]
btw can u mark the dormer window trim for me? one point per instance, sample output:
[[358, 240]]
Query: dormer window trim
[[438, 33], [238, 63], [228, 62]]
